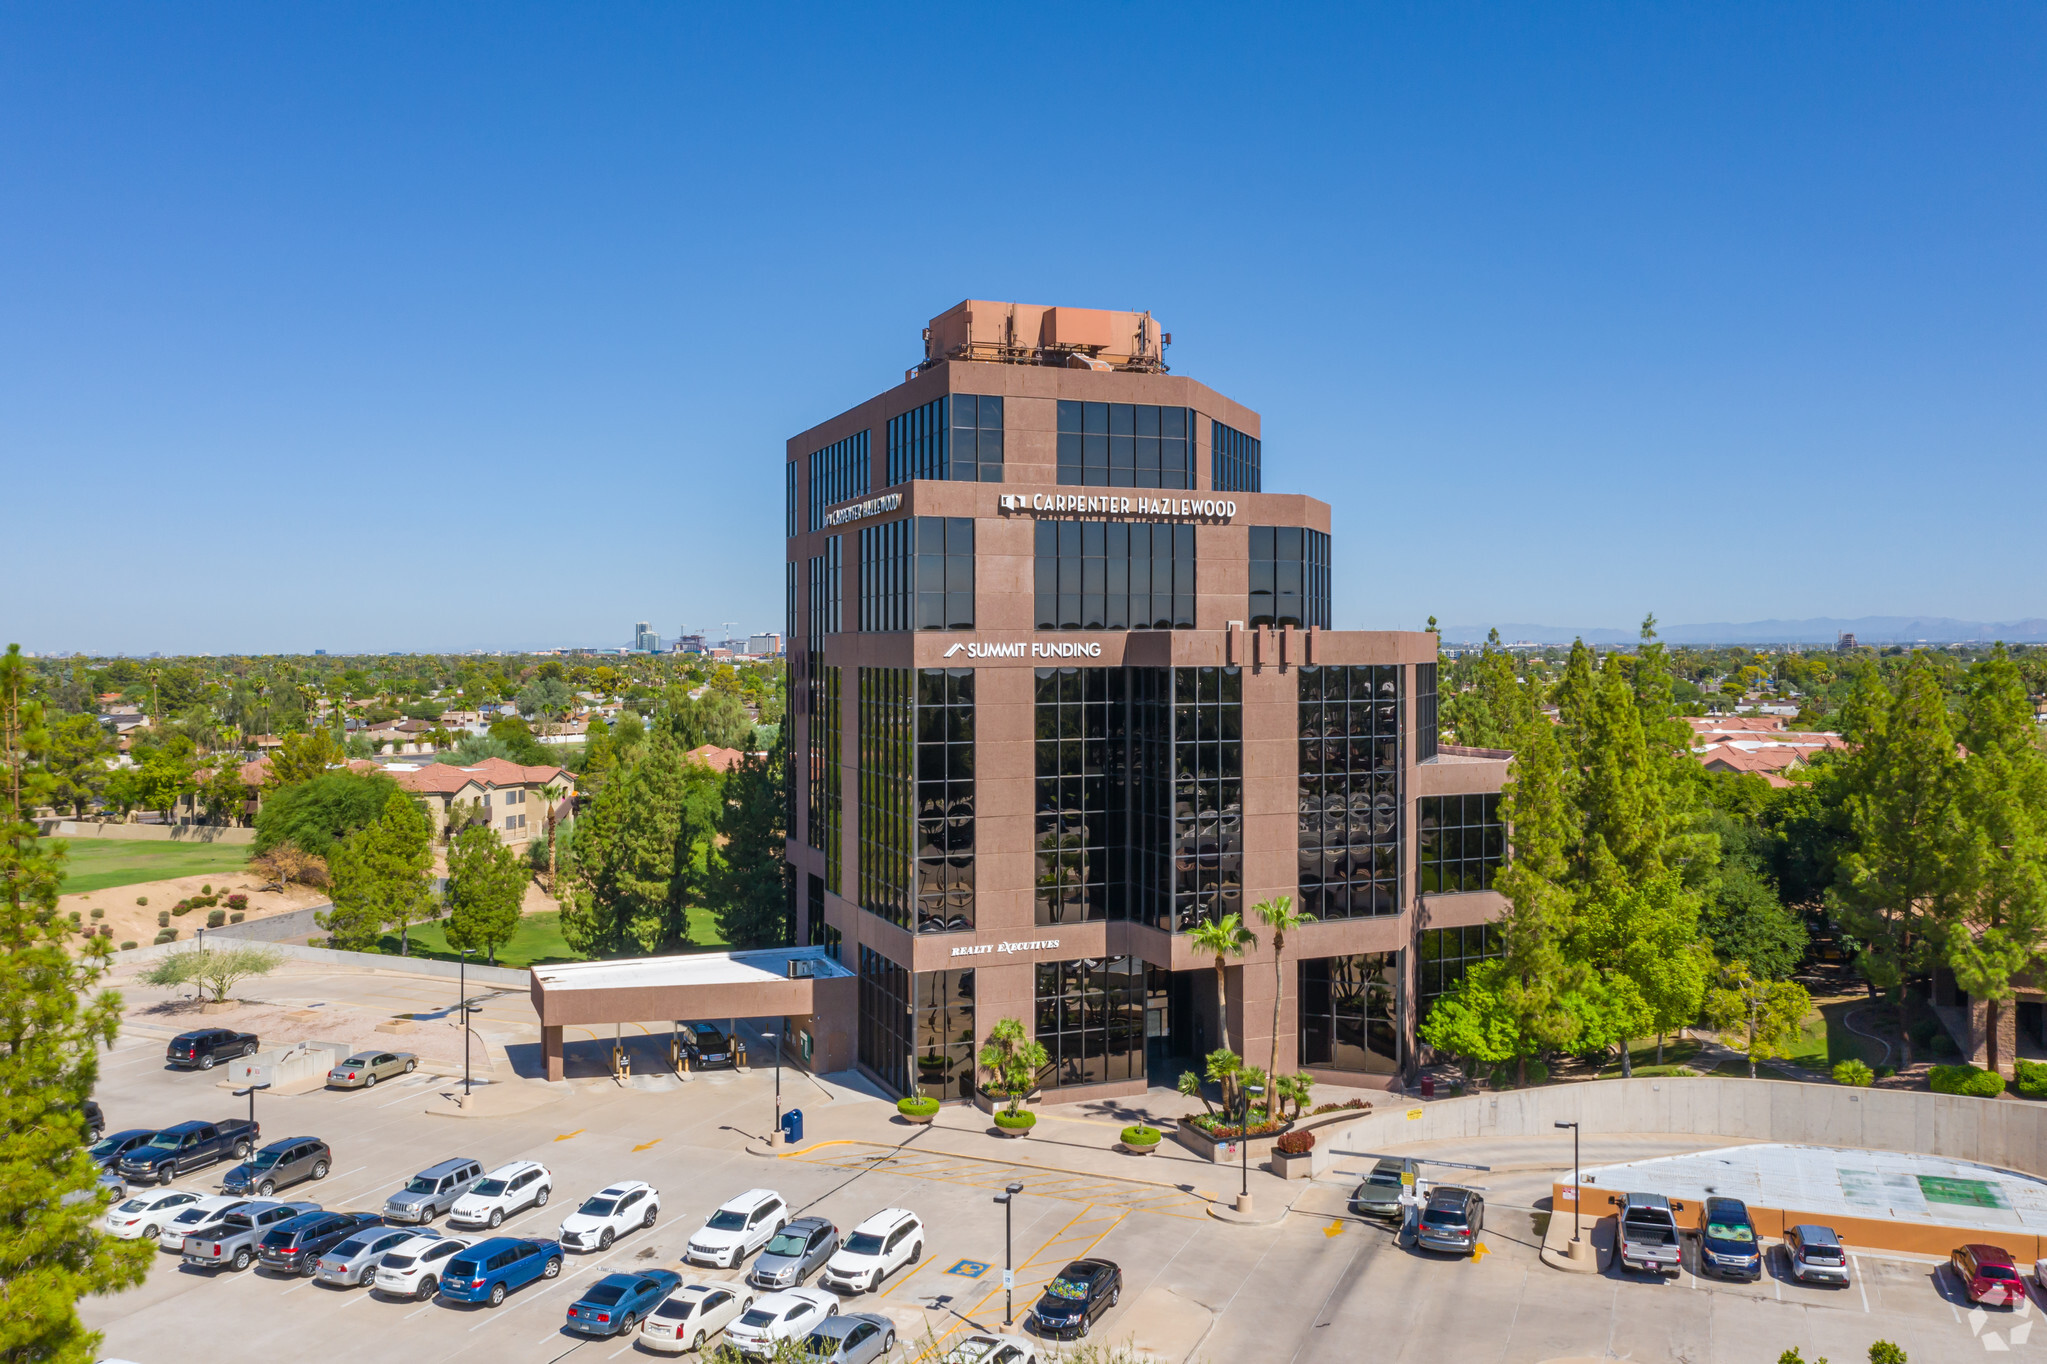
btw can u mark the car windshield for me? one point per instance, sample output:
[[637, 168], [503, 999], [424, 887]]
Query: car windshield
[[1730, 1231], [787, 1243], [757, 1319], [598, 1207], [278, 1238], [194, 1215], [864, 1243], [462, 1269], [166, 1141], [819, 1345], [265, 1159], [398, 1262], [1073, 1289], [604, 1294], [237, 1221], [727, 1220], [1388, 1177], [971, 1351], [421, 1184], [354, 1245], [106, 1147], [673, 1310], [710, 1039], [489, 1188]]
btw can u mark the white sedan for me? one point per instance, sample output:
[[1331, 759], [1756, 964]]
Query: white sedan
[[987, 1349], [691, 1315], [412, 1268], [147, 1213], [609, 1214], [787, 1315]]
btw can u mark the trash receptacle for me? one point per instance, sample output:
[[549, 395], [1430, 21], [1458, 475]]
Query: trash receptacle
[[792, 1127]]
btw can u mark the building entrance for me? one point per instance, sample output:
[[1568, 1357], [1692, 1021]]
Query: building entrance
[[1168, 1026]]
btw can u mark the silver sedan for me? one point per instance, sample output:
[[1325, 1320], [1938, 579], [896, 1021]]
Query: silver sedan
[[855, 1338], [365, 1068], [355, 1260]]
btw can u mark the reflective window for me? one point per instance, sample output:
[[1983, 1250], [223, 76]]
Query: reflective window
[[1462, 843], [1090, 1020], [1102, 794], [1125, 445], [945, 1033], [1349, 835], [884, 1039], [1349, 1011], [957, 437], [1235, 460], [887, 574], [1208, 795], [1289, 577], [1443, 955], [945, 573], [826, 798], [838, 473], [1428, 727], [945, 799], [884, 785], [1114, 575]]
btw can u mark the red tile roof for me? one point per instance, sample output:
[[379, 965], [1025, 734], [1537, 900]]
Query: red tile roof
[[716, 758]]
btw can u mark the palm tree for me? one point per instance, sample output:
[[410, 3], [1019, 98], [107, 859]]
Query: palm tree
[[1225, 937], [1281, 917], [552, 794]]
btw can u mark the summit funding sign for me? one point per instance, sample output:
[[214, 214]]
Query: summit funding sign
[[1064, 648]]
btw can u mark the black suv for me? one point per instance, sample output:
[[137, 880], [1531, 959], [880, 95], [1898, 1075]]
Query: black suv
[[209, 1045], [280, 1165], [707, 1046], [293, 1247], [1080, 1293]]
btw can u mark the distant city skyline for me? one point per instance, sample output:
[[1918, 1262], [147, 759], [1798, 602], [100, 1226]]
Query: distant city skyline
[[446, 328]]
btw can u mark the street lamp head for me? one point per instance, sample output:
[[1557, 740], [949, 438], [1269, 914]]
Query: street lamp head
[[1567, 1124], [1014, 1189], [1002, 1198]]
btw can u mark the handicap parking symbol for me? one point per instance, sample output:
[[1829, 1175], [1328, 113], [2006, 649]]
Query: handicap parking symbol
[[969, 1269]]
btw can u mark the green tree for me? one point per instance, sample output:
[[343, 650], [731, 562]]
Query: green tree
[[517, 737], [547, 697], [1996, 925], [312, 815], [1494, 707], [214, 969], [486, 891], [1473, 1021], [379, 875], [54, 1022], [551, 796], [302, 757], [1539, 809], [750, 887], [1280, 916], [1014, 1058], [74, 758], [639, 843], [1756, 1017], [165, 775], [222, 791], [1648, 937], [1222, 939]]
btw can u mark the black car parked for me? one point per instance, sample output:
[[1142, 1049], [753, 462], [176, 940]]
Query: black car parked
[[110, 1148], [706, 1046], [95, 1121], [293, 1247], [280, 1165], [207, 1046], [1082, 1292]]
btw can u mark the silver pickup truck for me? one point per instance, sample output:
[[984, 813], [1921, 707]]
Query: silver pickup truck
[[232, 1244], [1647, 1234]]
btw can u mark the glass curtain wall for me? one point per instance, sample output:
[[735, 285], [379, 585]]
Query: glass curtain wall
[[886, 754], [885, 1023], [1349, 836], [887, 575], [1443, 955], [1114, 575], [1289, 577], [945, 573], [1208, 795], [945, 1033], [839, 473], [1090, 1020], [1350, 1012], [1124, 445], [945, 799], [1428, 726], [957, 437], [1462, 843]]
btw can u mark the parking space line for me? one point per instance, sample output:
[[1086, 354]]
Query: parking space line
[[1859, 1285], [902, 1279]]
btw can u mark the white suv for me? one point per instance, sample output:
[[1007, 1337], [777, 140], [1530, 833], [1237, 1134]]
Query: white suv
[[610, 1213], [738, 1229], [412, 1268], [506, 1190], [875, 1249]]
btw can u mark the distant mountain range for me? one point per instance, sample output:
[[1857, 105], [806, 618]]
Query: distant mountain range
[[1820, 630]]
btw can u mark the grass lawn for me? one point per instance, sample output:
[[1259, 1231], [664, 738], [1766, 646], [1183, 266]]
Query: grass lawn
[[1824, 1040], [1677, 1051], [538, 940], [103, 863]]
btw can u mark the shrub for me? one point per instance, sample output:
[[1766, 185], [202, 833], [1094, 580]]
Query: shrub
[[918, 1106], [1141, 1135], [97, 913], [206, 888], [182, 908], [215, 918], [1295, 1143], [168, 935], [1886, 1072], [236, 917], [238, 901], [1021, 1120], [1883, 1352], [1943, 1045], [128, 946], [1338, 1108], [75, 920], [1854, 1072], [2032, 1078], [142, 900], [163, 918], [1967, 1080]]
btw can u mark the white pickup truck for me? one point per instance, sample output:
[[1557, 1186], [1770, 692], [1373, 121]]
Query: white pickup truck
[[1647, 1233]]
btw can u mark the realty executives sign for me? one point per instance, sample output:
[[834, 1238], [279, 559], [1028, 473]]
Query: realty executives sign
[[986, 948]]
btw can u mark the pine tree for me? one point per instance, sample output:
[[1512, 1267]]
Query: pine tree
[[1648, 937], [646, 851], [486, 891], [1574, 694], [1542, 818], [379, 876], [301, 757], [1996, 926], [751, 896]]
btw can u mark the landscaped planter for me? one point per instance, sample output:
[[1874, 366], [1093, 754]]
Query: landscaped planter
[[917, 1110], [1138, 1147], [1015, 1127], [1285, 1166], [1210, 1148]]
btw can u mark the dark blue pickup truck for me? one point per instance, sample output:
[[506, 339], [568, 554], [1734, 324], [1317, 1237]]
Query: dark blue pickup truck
[[188, 1146]]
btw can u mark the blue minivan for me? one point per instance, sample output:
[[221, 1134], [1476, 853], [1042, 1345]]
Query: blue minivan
[[490, 1269]]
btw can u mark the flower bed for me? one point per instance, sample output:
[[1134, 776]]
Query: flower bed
[[1207, 1139]]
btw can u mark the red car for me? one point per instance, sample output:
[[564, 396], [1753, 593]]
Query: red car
[[1989, 1276]]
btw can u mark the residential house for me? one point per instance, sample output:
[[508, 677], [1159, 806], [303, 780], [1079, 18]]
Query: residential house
[[508, 792], [1756, 744]]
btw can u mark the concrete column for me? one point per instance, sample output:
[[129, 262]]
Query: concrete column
[[551, 1050]]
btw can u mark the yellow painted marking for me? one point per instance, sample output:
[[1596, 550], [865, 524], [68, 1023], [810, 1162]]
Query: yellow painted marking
[[642, 1146], [566, 1135], [1028, 1284], [902, 1279], [1333, 1229], [1413, 1113], [1478, 1252]]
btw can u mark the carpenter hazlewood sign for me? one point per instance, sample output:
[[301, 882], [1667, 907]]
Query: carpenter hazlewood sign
[[1034, 945], [1124, 508], [1059, 649], [873, 506]]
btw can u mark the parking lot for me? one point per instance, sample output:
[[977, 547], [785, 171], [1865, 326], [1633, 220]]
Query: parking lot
[[1317, 1285]]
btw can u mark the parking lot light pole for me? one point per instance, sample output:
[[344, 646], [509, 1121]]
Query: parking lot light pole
[[774, 1039], [1244, 1136], [462, 1007], [251, 1093], [1007, 1199], [1576, 1182]]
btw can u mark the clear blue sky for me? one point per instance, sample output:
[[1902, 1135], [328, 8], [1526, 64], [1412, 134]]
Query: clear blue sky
[[413, 327]]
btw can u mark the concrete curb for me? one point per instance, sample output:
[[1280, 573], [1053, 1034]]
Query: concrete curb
[[494, 976], [1257, 1217], [1556, 1246]]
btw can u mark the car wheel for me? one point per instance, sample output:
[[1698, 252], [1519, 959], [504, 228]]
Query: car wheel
[[426, 1288], [648, 1221], [369, 1081], [497, 1218], [206, 1061], [248, 1048], [319, 1169], [1085, 1322], [267, 1188], [149, 1233], [626, 1324], [697, 1345], [541, 1200], [1115, 1295], [916, 1252], [553, 1267], [605, 1239], [497, 1295], [242, 1258], [409, 1066], [170, 1172], [888, 1342]]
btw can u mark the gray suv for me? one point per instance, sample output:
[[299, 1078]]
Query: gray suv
[[432, 1191], [797, 1251]]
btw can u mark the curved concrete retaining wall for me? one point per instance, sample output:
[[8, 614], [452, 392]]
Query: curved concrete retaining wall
[[2008, 1133], [375, 961]]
